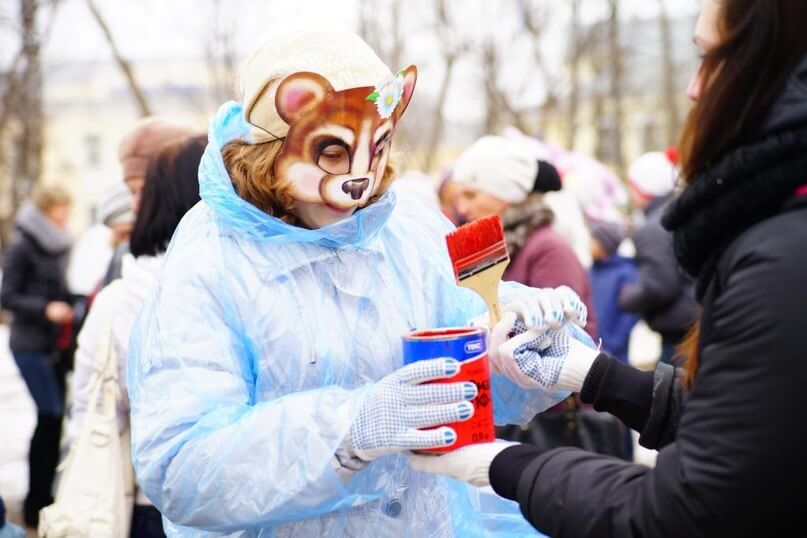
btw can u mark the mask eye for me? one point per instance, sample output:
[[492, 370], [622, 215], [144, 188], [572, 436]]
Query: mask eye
[[333, 157]]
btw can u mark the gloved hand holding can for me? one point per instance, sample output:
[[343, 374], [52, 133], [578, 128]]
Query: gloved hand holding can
[[469, 347]]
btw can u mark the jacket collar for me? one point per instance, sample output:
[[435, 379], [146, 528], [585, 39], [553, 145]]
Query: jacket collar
[[217, 191], [789, 111], [747, 186]]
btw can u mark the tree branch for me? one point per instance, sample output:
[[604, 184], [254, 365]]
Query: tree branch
[[122, 62]]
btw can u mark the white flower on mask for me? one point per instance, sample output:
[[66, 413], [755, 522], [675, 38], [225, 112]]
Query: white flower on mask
[[388, 94]]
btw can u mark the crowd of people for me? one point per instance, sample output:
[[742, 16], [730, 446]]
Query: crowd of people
[[260, 277]]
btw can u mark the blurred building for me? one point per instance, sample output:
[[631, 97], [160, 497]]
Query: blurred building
[[88, 107]]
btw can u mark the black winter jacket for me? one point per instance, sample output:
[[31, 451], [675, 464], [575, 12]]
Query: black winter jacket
[[662, 295], [732, 457], [32, 277], [732, 452]]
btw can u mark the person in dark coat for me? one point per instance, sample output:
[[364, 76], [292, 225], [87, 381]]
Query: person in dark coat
[[35, 292], [728, 427], [496, 175], [662, 295], [609, 274]]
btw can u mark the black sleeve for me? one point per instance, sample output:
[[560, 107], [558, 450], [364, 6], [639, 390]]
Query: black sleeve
[[13, 297], [647, 402], [737, 465], [658, 282]]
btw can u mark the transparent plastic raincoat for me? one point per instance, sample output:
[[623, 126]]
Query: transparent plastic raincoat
[[258, 345]]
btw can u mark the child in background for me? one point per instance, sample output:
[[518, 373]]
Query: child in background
[[608, 274]]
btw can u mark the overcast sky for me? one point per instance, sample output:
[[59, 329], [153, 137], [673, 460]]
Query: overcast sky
[[152, 29], [157, 28]]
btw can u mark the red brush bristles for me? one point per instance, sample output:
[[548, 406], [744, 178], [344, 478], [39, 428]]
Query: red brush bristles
[[477, 245]]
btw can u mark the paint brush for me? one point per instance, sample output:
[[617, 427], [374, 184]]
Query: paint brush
[[479, 255]]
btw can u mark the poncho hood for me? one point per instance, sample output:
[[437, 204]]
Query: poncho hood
[[217, 191]]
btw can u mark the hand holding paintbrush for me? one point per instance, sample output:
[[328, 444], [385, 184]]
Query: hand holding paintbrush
[[479, 255]]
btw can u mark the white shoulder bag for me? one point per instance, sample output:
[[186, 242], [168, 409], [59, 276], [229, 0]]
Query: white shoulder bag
[[94, 495]]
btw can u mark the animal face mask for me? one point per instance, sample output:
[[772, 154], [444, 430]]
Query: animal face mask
[[338, 143]]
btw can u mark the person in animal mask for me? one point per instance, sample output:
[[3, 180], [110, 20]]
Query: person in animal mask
[[266, 379]]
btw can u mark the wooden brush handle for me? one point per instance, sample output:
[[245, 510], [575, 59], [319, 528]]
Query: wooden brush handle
[[486, 285], [495, 312]]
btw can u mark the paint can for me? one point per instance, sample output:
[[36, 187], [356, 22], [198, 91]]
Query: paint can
[[470, 347]]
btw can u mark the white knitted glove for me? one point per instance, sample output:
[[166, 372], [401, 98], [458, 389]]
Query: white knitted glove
[[533, 308], [397, 406], [469, 464], [554, 360], [546, 307]]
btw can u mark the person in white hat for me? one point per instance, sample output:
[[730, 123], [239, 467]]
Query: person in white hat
[[663, 295], [496, 175], [266, 379]]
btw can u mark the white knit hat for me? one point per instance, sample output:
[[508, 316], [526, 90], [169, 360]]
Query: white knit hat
[[653, 174], [338, 55], [115, 206], [499, 167]]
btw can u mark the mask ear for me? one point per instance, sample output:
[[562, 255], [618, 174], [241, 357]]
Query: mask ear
[[299, 91], [410, 78]]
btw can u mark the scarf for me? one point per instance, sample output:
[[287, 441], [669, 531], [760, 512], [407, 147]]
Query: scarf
[[522, 219], [747, 186]]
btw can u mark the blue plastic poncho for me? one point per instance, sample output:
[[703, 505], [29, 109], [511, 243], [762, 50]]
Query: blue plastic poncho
[[250, 360]]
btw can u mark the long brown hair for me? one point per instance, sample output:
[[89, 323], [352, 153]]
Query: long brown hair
[[761, 43]]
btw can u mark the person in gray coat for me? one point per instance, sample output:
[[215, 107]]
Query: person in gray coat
[[663, 295]]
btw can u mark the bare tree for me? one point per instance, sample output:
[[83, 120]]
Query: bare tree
[[221, 55], [499, 104], [22, 101], [123, 63], [574, 74], [615, 60], [669, 95], [535, 20], [381, 25], [452, 48]]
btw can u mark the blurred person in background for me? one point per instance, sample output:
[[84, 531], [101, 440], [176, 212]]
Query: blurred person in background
[[447, 194], [561, 196], [170, 190], [89, 263], [569, 222], [115, 212], [728, 427], [34, 290], [609, 274], [663, 295], [90, 257], [142, 142], [497, 176]]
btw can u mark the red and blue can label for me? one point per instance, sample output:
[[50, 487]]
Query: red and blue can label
[[469, 347]]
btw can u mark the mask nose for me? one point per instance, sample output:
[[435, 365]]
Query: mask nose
[[355, 187]]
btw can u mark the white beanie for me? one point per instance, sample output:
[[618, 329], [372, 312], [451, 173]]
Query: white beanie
[[653, 174], [498, 166], [338, 55], [115, 206]]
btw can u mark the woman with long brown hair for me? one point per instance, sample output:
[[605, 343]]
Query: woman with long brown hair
[[729, 427]]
